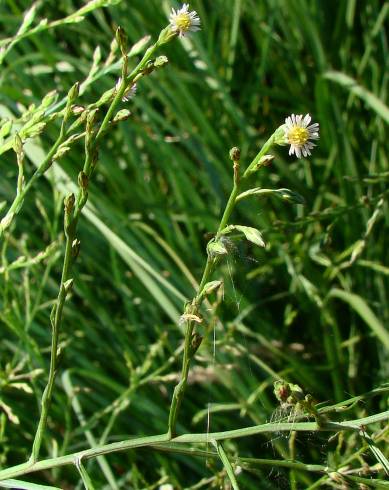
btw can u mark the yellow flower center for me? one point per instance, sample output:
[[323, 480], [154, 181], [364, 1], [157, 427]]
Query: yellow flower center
[[298, 136], [183, 22]]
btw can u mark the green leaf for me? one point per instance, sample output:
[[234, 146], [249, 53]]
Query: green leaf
[[227, 465], [353, 87], [361, 307], [25, 485], [284, 194], [376, 451], [252, 234]]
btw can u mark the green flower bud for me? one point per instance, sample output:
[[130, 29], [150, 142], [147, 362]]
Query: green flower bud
[[161, 61], [73, 92], [121, 39]]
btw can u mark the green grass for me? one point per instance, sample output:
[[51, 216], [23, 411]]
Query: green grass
[[310, 308]]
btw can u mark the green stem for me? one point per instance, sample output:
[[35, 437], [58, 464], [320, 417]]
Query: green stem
[[349, 425], [119, 95], [265, 149], [179, 389], [228, 210], [194, 305], [18, 201], [47, 394], [90, 148]]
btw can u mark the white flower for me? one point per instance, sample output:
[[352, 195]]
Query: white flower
[[183, 21], [129, 92], [298, 134]]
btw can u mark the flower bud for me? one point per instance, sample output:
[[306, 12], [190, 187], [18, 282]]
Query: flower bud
[[235, 154], [18, 144], [122, 115], [121, 39], [68, 285], [49, 98], [265, 161], [69, 202], [90, 120], [83, 180], [73, 92], [62, 150], [161, 61], [5, 128]]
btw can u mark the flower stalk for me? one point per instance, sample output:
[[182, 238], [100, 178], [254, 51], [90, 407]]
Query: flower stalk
[[193, 307], [262, 159], [73, 209]]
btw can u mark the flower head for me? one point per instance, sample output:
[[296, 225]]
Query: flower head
[[298, 133], [182, 21]]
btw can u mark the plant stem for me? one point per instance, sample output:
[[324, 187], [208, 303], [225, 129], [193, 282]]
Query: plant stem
[[90, 149], [265, 148], [349, 425], [228, 210], [56, 323], [119, 95], [193, 308], [46, 163], [197, 300]]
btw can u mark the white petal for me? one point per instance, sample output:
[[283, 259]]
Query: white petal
[[307, 120]]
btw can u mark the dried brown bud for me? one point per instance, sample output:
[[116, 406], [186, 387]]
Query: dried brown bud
[[235, 154], [83, 180], [69, 203]]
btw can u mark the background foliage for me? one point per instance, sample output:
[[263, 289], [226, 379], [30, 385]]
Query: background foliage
[[310, 308]]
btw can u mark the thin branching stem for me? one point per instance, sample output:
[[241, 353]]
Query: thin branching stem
[[193, 308], [56, 323], [204, 438], [91, 143]]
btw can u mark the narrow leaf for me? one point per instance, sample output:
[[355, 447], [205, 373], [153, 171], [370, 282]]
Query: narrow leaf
[[361, 307], [251, 234], [227, 465], [25, 485], [368, 97]]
